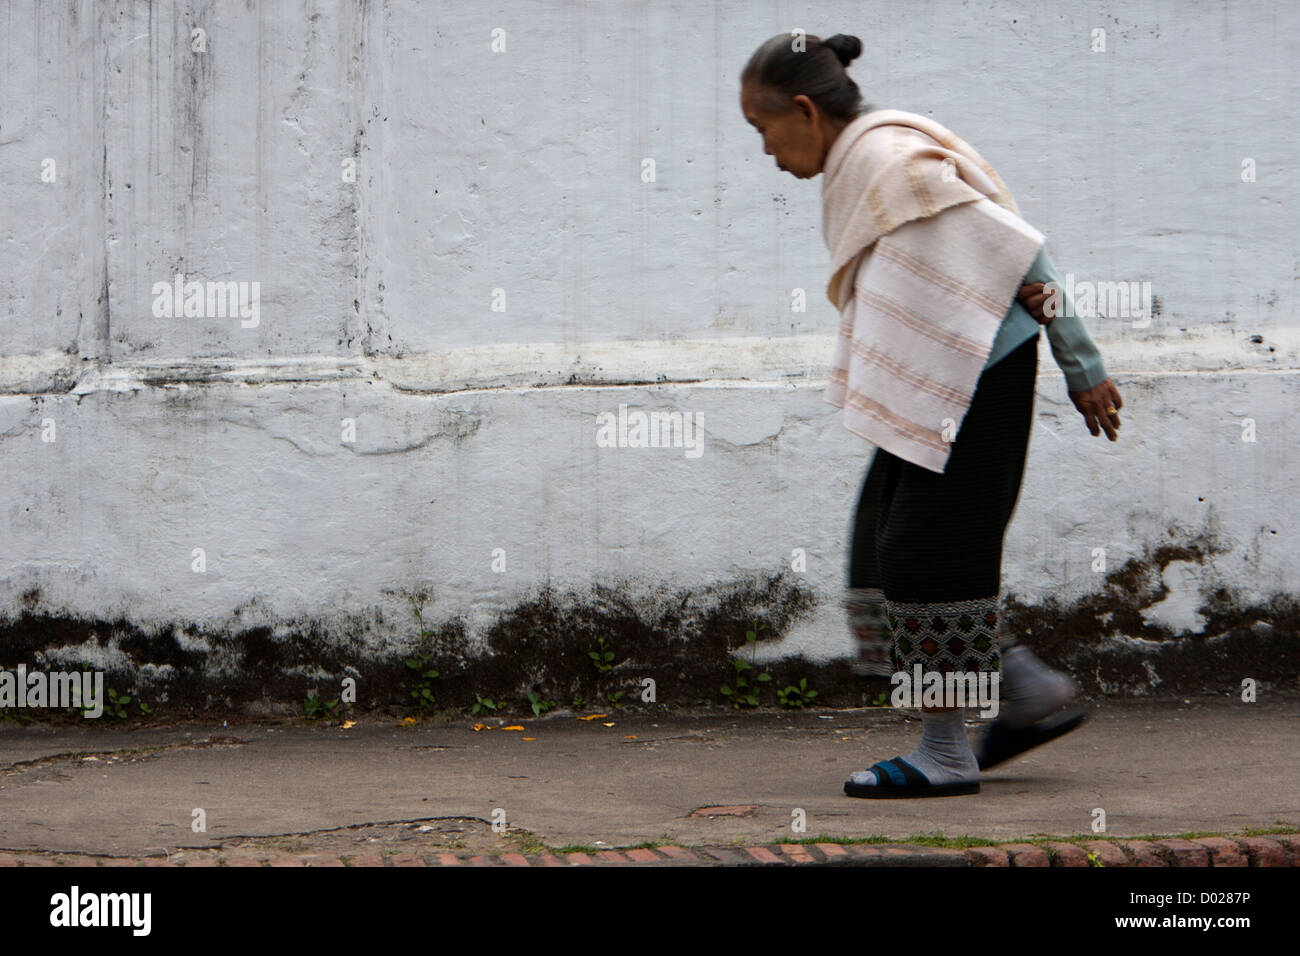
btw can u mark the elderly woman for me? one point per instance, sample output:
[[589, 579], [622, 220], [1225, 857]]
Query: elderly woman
[[941, 288]]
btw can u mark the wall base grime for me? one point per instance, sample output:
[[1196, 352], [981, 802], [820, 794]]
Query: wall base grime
[[683, 640]]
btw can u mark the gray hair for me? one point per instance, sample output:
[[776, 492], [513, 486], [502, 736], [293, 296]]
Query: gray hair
[[817, 72]]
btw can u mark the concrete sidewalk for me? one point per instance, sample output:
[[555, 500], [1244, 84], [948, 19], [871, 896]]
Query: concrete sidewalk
[[731, 782]]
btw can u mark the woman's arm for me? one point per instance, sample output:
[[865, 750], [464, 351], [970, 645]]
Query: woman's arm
[[1073, 349], [1090, 388]]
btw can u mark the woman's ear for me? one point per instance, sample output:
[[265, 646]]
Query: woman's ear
[[805, 106]]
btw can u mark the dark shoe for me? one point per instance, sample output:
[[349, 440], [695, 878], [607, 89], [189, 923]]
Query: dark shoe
[[1002, 742]]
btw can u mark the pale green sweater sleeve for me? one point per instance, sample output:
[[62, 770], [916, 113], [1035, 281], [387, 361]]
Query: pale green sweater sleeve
[[1072, 347]]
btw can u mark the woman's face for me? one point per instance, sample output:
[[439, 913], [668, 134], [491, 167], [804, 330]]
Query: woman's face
[[796, 138]]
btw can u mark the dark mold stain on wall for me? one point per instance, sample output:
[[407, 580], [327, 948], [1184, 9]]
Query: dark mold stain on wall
[[684, 640], [679, 639], [1104, 641]]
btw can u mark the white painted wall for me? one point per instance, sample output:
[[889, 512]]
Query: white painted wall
[[520, 170]]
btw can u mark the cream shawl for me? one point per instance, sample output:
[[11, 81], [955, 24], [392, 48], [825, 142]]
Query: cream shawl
[[921, 295]]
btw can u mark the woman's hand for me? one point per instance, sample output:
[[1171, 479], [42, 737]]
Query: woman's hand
[[1100, 405], [1032, 298]]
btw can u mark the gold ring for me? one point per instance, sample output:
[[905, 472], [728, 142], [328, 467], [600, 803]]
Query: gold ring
[[1111, 410]]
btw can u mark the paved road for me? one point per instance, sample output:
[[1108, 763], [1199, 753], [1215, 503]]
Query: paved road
[[432, 792]]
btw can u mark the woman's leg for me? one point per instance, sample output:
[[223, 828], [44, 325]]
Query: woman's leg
[[940, 548], [864, 599], [939, 553]]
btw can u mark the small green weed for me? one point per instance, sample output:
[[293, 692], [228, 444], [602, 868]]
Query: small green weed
[[317, 709], [797, 697], [424, 675], [539, 705], [603, 659], [422, 670], [745, 693], [115, 706]]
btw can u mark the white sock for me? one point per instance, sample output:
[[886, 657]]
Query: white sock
[[944, 755]]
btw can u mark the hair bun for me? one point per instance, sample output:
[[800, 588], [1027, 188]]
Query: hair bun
[[846, 48]]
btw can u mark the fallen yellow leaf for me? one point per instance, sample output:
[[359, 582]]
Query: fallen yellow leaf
[[610, 724], [407, 722], [593, 716], [481, 726], [527, 738], [515, 727], [630, 737], [348, 723]]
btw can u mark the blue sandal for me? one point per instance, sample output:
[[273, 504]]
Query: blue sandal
[[898, 778]]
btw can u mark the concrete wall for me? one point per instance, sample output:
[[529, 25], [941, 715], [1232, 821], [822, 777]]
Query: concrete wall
[[497, 274]]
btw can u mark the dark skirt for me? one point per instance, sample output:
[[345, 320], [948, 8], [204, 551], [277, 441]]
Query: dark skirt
[[929, 546]]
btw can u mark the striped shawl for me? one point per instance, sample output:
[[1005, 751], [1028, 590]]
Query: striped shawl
[[921, 295]]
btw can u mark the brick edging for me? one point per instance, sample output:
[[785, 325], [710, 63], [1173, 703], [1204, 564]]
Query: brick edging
[[1272, 850]]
